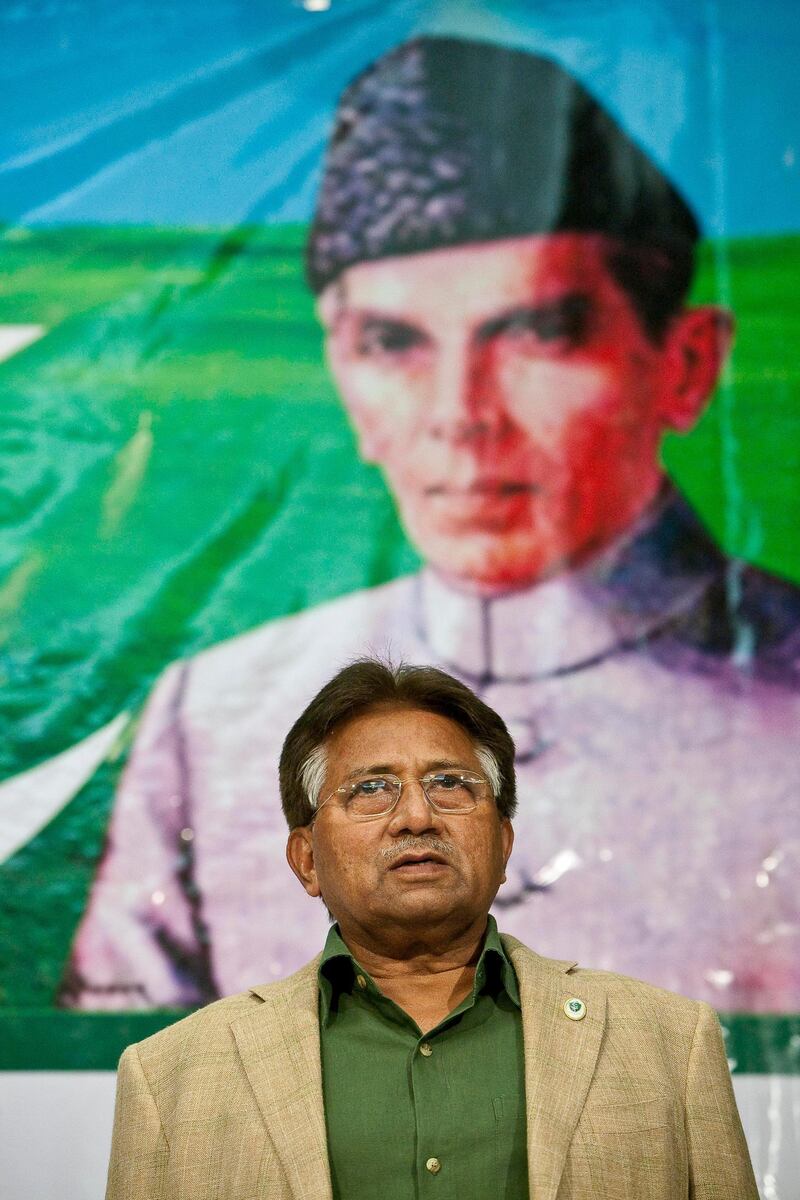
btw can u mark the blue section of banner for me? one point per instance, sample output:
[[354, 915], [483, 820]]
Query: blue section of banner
[[164, 114]]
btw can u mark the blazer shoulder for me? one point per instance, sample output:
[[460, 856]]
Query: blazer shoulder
[[625, 996], [209, 1030], [624, 990], [210, 1026], [672, 1019], [207, 1025]]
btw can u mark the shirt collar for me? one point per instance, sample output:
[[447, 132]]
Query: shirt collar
[[338, 969]]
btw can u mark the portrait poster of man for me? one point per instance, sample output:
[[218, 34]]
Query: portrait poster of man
[[490, 369]]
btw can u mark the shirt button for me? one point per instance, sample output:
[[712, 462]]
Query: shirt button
[[427, 1049], [434, 1166], [361, 981]]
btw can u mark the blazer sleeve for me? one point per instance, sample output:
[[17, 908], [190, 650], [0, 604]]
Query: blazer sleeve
[[719, 1161], [139, 1148]]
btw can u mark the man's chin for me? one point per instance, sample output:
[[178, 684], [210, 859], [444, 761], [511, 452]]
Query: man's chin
[[429, 901], [488, 561], [490, 565]]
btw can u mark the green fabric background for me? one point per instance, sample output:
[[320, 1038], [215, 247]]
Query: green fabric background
[[175, 468]]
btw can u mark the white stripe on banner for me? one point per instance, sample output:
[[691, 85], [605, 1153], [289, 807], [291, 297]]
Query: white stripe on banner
[[28, 801], [14, 338], [56, 1133]]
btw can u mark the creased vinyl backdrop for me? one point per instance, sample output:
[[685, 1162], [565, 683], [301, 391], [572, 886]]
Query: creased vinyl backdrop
[[204, 515]]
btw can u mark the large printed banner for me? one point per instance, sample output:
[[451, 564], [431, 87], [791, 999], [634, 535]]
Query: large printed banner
[[464, 333]]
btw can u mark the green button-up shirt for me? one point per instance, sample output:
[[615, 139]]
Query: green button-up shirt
[[440, 1114]]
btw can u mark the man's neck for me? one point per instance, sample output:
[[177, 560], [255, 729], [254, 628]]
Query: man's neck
[[392, 950], [426, 973]]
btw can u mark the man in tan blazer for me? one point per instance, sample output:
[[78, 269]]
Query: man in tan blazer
[[421, 1053]]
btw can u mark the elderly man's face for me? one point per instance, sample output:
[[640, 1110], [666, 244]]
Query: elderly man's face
[[355, 864], [513, 398]]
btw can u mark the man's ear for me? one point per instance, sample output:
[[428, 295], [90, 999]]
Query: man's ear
[[507, 839], [329, 304], [697, 345], [300, 857], [325, 309]]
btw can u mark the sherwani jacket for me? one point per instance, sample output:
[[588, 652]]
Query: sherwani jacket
[[654, 700], [633, 1102]]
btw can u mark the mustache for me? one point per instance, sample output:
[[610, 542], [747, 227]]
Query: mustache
[[415, 845], [485, 487]]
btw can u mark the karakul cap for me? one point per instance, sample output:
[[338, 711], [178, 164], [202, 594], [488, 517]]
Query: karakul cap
[[444, 141]]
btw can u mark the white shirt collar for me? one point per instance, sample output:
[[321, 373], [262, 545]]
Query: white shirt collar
[[559, 625]]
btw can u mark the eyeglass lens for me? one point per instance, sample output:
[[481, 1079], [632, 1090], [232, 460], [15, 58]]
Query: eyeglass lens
[[451, 791]]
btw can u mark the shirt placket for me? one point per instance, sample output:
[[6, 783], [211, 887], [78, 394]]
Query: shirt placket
[[436, 1169], [436, 1165]]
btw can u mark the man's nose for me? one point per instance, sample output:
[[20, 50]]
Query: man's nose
[[465, 404], [412, 811]]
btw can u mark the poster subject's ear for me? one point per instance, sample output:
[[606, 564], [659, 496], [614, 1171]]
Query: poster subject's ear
[[698, 343], [329, 304]]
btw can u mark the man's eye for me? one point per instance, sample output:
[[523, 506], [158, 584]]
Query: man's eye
[[387, 337], [565, 322], [369, 787], [447, 783]]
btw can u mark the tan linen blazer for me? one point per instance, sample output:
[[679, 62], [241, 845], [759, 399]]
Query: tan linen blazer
[[633, 1102]]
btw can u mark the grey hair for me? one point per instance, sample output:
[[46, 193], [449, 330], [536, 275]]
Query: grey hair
[[490, 767], [312, 772]]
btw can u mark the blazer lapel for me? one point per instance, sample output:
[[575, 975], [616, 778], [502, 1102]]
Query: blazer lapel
[[560, 1059], [278, 1045]]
